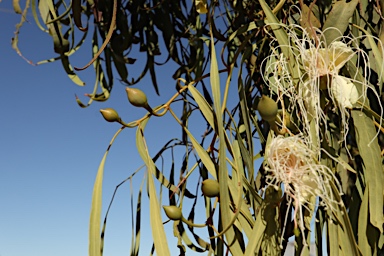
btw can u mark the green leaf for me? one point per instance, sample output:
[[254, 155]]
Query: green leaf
[[338, 19], [158, 233], [226, 213], [333, 237], [70, 72], [282, 39], [362, 225], [378, 57], [203, 155], [204, 107], [256, 237], [16, 7], [96, 206], [277, 28], [367, 143], [76, 13]]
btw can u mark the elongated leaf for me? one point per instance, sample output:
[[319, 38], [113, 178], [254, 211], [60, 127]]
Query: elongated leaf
[[61, 16], [70, 72], [158, 233], [205, 108], [378, 54], [226, 213], [333, 237], [282, 39], [136, 245], [369, 149], [94, 223], [278, 30], [36, 18], [256, 237], [362, 226], [16, 7], [96, 206], [207, 161], [338, 19], [76, 12]]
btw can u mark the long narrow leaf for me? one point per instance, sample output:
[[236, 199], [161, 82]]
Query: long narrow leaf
[[369, 149], [158, 233], [226, 213], [362, 226], [96, 206]]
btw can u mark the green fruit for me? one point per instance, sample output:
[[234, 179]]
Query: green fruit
[[173, 212], [110, 115], [137, 97], [210, 188], [267, 108]]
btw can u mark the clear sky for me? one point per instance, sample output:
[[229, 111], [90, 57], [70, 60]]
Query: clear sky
[[50, 149]]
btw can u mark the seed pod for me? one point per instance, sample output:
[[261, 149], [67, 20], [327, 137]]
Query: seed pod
[[173, 212], [210, 188], [267, 108], [110, 115], [137, 97]]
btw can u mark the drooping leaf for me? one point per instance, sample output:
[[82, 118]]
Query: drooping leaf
[[367, 143], [362, 226], [16, 7], [95, 248], [158, 233], [338, 19], [226, 213], [255, 239], [76, 13]]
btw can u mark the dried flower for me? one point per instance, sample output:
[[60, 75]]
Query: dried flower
[[326, 61], [316, 67], [292, 164]]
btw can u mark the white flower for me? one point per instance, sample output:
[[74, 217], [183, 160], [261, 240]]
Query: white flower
[[325, 61], [344, 91], [292, 164]]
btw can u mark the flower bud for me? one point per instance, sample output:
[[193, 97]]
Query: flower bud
[[110, 115], [267, 108], [210, 188], [137, 97], [173, 212]]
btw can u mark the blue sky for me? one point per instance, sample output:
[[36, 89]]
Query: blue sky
[[50, 150]]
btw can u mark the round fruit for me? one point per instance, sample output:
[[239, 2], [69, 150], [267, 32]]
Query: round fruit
[[110, 115], [267, 108], [173, 212], [210, 188], [137, 97]]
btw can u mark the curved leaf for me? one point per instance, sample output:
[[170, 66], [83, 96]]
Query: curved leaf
[[338, 19], [367, 143], [158, 233], [95, 248]]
